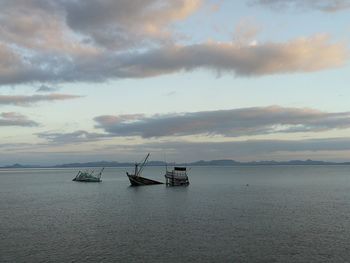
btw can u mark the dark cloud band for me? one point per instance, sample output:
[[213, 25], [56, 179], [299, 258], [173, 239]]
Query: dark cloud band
[[321, 5], [16, 119], [229, 123]]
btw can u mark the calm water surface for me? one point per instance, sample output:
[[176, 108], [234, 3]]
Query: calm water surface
[[227, 214]]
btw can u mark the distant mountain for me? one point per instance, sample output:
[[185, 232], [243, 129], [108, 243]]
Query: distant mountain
[[293, 162], [106, 164], [223, 162], [93, 164], [16, 165], [235, 163]]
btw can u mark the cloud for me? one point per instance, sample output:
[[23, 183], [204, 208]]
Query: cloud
[[210, 150], [72, 137], [16, 119], [22, 100], [230, 123], [182, 151], [250, 150], [44, 88], [118, 24], [321, 5], [95, 41], [298, 55], [81, 24], [44, 40]]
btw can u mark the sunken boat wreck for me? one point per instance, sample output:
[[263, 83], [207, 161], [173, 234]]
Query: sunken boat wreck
[[88, 177], [136, 179]]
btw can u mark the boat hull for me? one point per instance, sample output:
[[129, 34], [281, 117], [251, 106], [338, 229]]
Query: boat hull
[[88, 177], [139, 180], [89, 180]]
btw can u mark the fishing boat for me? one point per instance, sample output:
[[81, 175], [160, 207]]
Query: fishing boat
[[136, 179], [176, 177], [89, 177]]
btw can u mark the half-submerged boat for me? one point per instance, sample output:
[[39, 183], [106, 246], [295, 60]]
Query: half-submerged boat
[[136, 179], [88, 176], [176, 177]]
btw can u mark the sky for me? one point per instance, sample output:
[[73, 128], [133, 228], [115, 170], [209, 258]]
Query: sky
[[92, 80]]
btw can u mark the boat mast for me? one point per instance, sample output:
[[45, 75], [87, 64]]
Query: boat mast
[[136, 170], [142, 165]]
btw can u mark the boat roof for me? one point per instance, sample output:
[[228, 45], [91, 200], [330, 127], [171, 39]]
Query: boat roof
[[178, 168]]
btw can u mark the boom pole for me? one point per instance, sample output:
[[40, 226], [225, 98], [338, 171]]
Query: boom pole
[[143, 164]]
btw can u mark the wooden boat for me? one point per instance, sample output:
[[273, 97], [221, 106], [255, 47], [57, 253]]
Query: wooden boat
[[88, 177], [139, 180], [177, 177], [136, 179]]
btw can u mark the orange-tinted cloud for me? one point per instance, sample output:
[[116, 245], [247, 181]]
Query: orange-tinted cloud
[[296, 56], [24, 100], [68, 41]]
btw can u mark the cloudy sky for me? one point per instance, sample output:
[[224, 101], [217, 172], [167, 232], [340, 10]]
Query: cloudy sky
[[90, 80]]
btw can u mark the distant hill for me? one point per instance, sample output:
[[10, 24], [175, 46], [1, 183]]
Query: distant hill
[[16, 165], [256, 163], [106, 164], [223, 162]]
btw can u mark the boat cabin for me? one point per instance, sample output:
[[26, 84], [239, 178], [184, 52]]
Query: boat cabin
[[177, 177]]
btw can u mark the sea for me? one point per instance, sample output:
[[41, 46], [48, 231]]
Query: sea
[[226, 214]]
